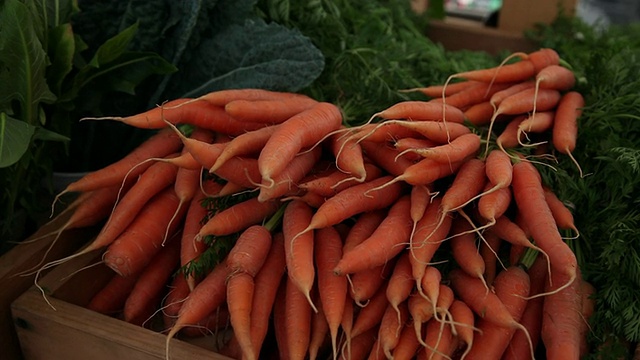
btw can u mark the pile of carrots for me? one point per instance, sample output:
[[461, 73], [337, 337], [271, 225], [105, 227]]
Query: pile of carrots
[[426, 232]]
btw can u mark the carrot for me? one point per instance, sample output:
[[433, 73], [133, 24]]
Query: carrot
[[562, 321], [353, 201], [111, 297], [435, 91], [489, 250], [424, 172], [242, 171], [287, 179], [298, 320], [365, 283], [416, 110], [386, 157], [300, 131], [480, 113], [265, 291], [191, 249], [154, 180], [421, 197], [361, 346], [159, 145], [555, 77], [510, 232], [270, 111], [237, 217], [280, 320], [429, 235], [349, 157], [532, 315], [515, 72], [172, 302], [423, 310], [494, 203], [463, 323], [373, 132], [465, 251], [299, 247], [370, 316], [143, 238], [412, 143], [151, 283], [244, 261], [467, 183], [499, 96], [383, 245], [561, 213], [207, 296], [336, 181], [565, 125], [332, 289], [347, 324], [433, 130], [508, 138], [319, 331], [475, 93], [538, 123], [407, 345], [512, 286], [223, 97], [439, 340], [248, 143], [203, 152], [487, 306], [365, 224], [400, 284], [388, 333], [529, 196], [457, 150]]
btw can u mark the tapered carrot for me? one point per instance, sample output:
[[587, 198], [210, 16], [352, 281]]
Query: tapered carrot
[[561, 213], [353, 201], [510, 232], [223, 97], [178, 290], [439, 340], [435, 91], [411, 143], [159, 145], [299, 247], [386, 157], [336, 181], [463, 322], [238, 216], [370, 316], [538, 123], [494, 203], [421, 197], [388, 240], [280, 320], [489, 250], [142, 239], [300, 131], [388, 333], [332, 289], [555, 77], [240, 170], [288, 178], [348, 155], [421, 111], [487, 306], [407, 345], [248, 143], [265, 291], [203, 152], [155, 179], [529, 196], [498, 96], [400, 283], [360, 346], [319, 331], [457, 150], [111, 298], [208, 295], [508, 138], [270, 111], [464, 249], [476, 93], [511, 286], [373, 132], [562, 321], [298, 320], [424, 172], [244, 261], [436, 131], [151, 283], [565, 128], [365, 283], [499, 172], [191, 249], [480, 113]]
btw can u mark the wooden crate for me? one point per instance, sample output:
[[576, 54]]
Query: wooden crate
[[60, 327]]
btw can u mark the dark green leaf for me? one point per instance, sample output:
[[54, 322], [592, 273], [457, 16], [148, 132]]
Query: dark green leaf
[[15, 137], [61, 51], [114, 47]]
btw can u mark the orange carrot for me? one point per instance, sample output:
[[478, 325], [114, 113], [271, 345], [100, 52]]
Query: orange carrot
[[412, 143], [299, 247], [151, 283], [407, 345], [510, 232], [237, 217], [360, 346], [463, 322], [565, 128], [498, 96], [111, 298], [206, 297], [476, 93], [290, 175], [298, 320], [370, 316], [424, 172], [202, 151], [555, 77], [365, 224], [142, 239], [421, 197], [384, 244], [154, 180], [191, 249], [464, 249], [172, 302], [435, 91], [240, 170], [562, 322], [508, 138], [538, 123], [319, 331], [353, 201], [332, 288], [489, 250], [244, 261], [386, 157], [421, 111], [223, 97], [529, 196], [373, 132], [439, 340], [301, 131], [280, 320], [349, 156], [336, 181], [365, 283], [487, 306], [265, 291], [388, 333], [159, 145], [494, 203], [512, 286], [560, 212], [480, 113], [271, 111], [400, 283], [436, 131], [248, 143], [457, 150]]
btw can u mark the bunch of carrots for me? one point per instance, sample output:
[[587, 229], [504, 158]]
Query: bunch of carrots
[[425, 232]]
